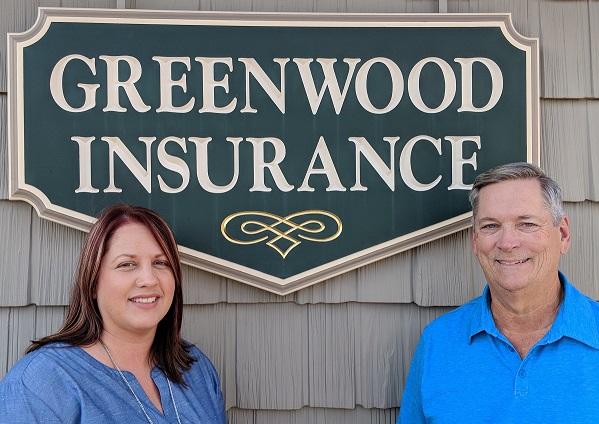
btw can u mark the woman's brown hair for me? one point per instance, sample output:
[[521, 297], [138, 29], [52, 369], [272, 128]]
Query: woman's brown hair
[[83, 324]]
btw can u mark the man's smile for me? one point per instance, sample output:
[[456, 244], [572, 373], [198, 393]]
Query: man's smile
[[511, 261]]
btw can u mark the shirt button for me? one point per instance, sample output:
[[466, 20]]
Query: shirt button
[[522, 373], [511, 349]]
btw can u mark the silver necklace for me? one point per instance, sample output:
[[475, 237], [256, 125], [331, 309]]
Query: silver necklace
[[170, 389]]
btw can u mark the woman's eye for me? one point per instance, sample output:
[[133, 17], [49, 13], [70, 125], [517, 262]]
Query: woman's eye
[[126, 265], [161, 263]]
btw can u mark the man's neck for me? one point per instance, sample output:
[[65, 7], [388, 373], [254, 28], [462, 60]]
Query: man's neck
[[524, 321]]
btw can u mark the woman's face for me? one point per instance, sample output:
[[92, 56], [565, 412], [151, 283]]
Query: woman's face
[[135, 283]]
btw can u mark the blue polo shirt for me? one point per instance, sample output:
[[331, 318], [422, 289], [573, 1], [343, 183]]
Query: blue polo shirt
[[465, 371]]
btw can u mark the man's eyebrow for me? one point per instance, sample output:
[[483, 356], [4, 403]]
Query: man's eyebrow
[[519, 217]]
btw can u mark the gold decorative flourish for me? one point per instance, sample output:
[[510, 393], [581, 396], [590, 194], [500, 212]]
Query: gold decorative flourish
[[267, 225]]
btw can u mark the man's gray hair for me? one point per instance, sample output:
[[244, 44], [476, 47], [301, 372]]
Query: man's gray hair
[[550, 190]]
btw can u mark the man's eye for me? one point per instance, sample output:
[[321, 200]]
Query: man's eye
[[489, 226], [528, 225]]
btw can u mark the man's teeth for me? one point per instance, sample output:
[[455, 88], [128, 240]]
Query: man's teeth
[[144, 299], [512, 262]]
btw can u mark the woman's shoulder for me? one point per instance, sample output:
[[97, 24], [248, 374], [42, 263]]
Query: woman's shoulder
[[202, 367], [200, 357], [41, 362], [34, 363], [202, 380], [31, 385], [195, 351]]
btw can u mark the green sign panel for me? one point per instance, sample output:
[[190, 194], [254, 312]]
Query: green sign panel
[[283, 149]]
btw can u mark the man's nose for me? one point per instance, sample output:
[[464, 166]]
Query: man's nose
[[508, 238]]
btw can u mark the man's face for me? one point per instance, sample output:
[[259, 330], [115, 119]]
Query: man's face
[[514, 238]]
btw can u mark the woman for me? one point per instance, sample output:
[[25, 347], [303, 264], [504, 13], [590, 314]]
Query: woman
[[119, 356]]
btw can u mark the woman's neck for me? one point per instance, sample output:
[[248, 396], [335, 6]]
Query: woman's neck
[[129, 353]]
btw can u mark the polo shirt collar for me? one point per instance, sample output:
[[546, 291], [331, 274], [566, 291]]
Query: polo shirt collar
[[481, 318], [572, 319]]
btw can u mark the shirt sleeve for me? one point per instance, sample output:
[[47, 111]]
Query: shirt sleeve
[[218, 393], [220, 400], [410, 411], [19, 405], [204, 376]]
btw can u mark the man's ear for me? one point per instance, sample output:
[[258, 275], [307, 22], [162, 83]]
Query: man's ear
[[474, 239], [564, 230]]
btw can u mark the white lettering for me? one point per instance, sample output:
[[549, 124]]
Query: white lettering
[[173, 163], [277, 96], [396, 85], [209, 84], [328, 169], [496, 84], [405, 163], [260, 164], [330, 82], [387, 173], [414, 85], [113, 84], [268, 154], [85, 164], [202, 164], [215, 77], [167, 83], [144, 176], [458, 161], [56, 88]]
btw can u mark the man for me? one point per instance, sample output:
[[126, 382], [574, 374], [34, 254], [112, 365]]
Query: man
[[527, 350]]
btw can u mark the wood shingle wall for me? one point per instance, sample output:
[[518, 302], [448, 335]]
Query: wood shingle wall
[[339, 351]]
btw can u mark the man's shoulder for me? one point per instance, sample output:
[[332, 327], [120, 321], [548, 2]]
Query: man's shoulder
[[577, 299], [592, 302], [594, 305]]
